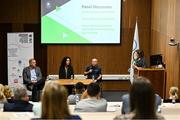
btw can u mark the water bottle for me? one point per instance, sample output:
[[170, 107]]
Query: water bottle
[[159, 109], [72, 77], [77, 99], [93, 78], [173, 100]]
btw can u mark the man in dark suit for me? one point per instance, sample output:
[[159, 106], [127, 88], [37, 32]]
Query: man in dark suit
[[21, 102], [32, 78]]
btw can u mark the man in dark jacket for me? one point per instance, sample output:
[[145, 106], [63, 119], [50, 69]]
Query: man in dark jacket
[[21, 102], [32, 78]]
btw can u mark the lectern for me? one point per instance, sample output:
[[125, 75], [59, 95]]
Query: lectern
[[157, 78]]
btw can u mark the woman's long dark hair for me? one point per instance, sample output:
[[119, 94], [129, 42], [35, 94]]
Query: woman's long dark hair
[[142, 99], [63, 62]]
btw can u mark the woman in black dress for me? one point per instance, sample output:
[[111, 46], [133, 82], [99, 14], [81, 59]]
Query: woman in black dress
[[66, 70]]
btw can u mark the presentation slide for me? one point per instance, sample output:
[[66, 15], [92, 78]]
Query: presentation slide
[[80, 21]]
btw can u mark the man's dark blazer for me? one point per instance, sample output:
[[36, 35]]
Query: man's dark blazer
[[18, 106], [27, 75]]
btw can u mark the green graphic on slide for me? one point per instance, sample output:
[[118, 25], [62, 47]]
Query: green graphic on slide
[[56, 32]]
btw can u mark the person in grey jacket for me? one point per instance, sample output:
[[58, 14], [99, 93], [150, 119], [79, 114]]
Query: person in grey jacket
[[79, 89], [93, 102], [32, 78]]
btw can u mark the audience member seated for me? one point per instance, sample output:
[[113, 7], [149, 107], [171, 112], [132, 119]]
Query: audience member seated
[[2, 100], [8, 94], [1, 88], [126, 107], [93, 103], [142, 101], [21, 101], [54, 102], [173, 95], [2, 96], [79, 89]]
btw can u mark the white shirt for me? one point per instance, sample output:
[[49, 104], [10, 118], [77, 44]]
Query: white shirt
[[33, 74]]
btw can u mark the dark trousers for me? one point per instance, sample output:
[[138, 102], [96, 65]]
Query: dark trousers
[[100, 85], [35, 93], [36, 88]]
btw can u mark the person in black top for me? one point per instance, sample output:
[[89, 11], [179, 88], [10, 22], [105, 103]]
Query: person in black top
[[66, 70], [93, 71], [138, 59]]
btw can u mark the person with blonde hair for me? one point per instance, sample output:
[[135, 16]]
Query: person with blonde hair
[[8, 93], [54, 102], [173, 93], [2, 100], [2, 96], [1, 88]]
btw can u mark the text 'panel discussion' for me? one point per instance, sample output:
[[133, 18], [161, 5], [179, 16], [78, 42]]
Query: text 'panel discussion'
[[90, 59]]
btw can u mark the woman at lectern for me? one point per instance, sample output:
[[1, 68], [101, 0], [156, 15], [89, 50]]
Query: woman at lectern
[[66, 70], [138, 59]]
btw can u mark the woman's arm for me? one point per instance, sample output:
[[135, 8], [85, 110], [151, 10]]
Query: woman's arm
[[84, 95]]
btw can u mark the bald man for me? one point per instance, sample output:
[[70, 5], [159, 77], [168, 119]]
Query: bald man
[[93, 71], [32, 78]]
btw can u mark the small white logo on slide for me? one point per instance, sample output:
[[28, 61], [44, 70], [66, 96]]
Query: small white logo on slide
[[48, 5]]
